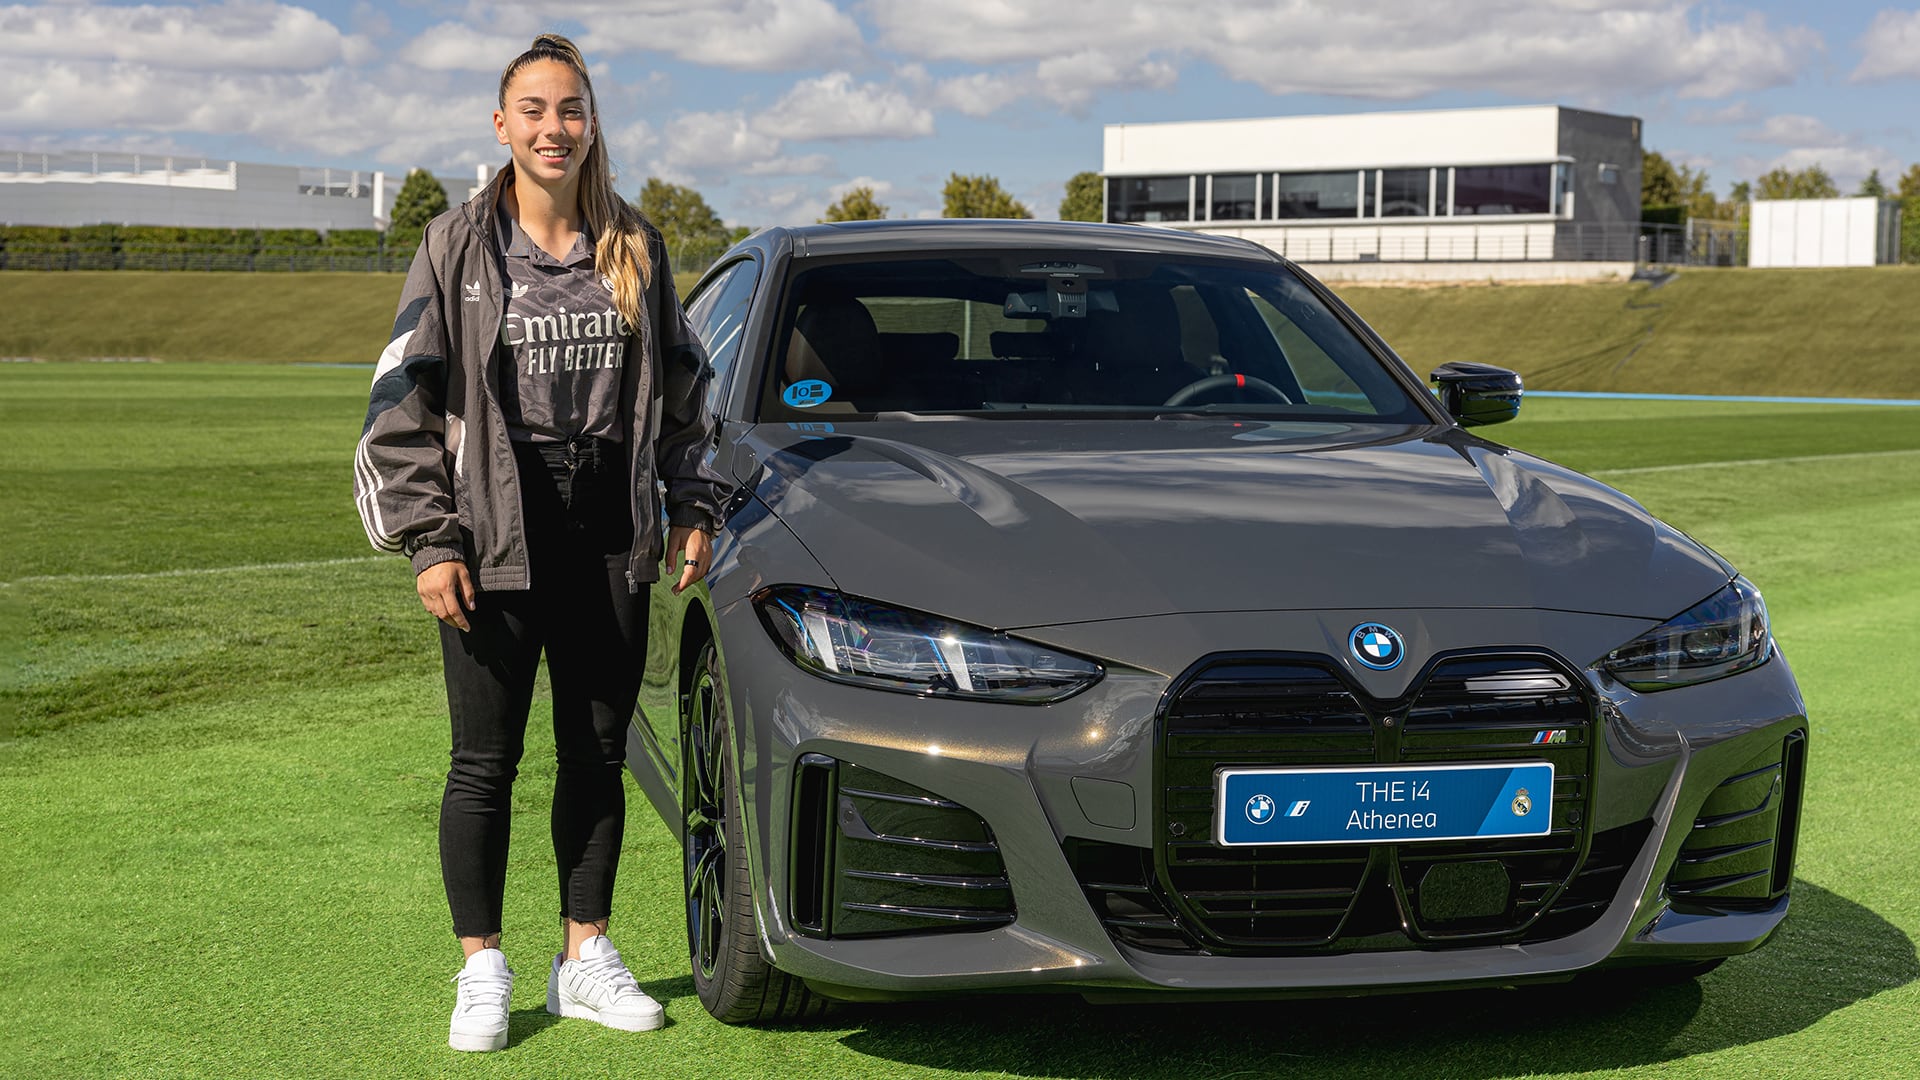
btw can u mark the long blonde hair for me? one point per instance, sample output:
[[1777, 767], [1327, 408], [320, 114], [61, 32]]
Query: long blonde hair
[[620, 246]]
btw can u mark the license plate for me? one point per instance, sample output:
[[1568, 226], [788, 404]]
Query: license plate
[[1381, 804]]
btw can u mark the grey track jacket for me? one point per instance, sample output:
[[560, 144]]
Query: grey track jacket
[[434, 473]]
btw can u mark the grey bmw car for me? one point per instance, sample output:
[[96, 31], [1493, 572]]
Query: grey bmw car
[[1108, 609]]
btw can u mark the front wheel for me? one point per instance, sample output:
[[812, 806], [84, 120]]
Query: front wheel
[[735, 982]]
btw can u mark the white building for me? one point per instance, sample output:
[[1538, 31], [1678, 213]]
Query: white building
[[1862, 231], [139, 189], [1545, 190]]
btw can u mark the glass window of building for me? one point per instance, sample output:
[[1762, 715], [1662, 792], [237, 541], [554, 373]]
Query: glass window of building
[[1149, 198], [1233, 198], [1316, 195], [1503, 189], [1406, 193]]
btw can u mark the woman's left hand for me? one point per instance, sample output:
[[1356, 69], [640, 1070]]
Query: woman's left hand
[[695, 549]]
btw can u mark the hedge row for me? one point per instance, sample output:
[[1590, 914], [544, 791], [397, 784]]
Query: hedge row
[[165, 247]]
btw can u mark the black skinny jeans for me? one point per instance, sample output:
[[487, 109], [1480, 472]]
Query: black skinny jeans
[[579, 530]]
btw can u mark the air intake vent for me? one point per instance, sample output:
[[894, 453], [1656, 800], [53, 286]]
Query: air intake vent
[[1739, 852], [876, 856]]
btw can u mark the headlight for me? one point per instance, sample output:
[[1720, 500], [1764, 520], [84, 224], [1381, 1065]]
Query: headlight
[[1725, 633], [858, 641]]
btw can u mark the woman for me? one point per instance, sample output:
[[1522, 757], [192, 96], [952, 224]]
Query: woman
[[540, 380]]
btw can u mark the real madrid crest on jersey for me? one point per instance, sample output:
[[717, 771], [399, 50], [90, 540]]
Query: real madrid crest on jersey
[[1376, 645]]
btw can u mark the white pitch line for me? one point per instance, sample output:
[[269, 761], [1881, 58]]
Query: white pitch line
[[193, 571], [1640, 469]]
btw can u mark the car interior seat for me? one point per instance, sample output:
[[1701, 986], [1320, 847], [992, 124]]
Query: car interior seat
[[835, 341], [1133, 356]]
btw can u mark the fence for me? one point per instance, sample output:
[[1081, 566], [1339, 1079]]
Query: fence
[[1696, 243]]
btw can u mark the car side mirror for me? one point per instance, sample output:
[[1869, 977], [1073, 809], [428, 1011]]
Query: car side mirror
[[1476, 394]]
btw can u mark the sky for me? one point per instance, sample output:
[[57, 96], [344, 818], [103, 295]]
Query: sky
[[773, 108]]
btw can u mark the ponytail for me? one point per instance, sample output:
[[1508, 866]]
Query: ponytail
[[620, 246]]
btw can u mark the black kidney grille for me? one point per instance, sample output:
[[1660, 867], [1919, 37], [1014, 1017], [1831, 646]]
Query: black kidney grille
[[1262, 710], [1257, 711]]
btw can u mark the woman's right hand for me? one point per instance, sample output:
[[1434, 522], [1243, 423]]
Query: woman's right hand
[[446, 589]]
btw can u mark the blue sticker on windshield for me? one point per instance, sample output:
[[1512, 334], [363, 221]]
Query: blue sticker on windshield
[[806, 393]]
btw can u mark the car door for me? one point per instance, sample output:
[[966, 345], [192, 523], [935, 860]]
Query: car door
[[717, 311]]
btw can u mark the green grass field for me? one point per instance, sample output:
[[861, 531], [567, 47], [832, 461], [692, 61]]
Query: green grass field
[[225, 737]]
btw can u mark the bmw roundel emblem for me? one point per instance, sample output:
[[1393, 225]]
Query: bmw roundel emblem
[[1260, 809], [1376, 645]]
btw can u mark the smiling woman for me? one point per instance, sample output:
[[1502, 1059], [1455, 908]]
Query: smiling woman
[[540, 322]]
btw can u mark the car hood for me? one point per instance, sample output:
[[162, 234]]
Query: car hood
[[1029, 522]]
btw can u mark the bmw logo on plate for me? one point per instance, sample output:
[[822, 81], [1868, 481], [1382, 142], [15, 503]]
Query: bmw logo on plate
[[1376, 645], [1260, 809]]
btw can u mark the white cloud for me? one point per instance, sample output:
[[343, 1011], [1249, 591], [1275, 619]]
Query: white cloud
[[981, 93], [705, 140], [458, 47], [709, 145], [1795, 130], [1550, 49], [833, 106], [1739, 112], [338, 113], [879, 187], [1848, 164], [245, 35], [751, 35], [1890, 49]]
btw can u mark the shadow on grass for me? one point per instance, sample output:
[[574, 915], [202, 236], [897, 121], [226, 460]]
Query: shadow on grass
[[524, 1024], [1831, 953]]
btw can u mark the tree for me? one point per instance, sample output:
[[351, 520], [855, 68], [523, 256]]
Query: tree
[[1085, 198], [979, 197], [1812, 182], [1873, 186], [1910, 215], [682, 216], [1659, 181], [1910, 183], [420, 200], [858, 204]]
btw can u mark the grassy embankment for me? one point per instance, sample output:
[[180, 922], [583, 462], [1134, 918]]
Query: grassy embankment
[[219, 317], [1835, 333], [223, 739]]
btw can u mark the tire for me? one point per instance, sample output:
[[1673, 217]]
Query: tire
[[734, 981]]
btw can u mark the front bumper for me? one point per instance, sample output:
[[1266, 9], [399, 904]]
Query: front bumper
[[1085, 770]]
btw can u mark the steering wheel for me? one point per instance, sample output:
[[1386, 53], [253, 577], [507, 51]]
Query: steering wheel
[[1238, 382]]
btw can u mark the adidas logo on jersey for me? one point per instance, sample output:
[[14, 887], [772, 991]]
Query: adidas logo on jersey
[[473, 292]]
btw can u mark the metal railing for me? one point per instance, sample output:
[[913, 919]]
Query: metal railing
[[1697, 243]]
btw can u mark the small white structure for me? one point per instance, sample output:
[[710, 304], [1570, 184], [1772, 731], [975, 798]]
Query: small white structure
[[1528, 185], [1863, 231], [90, 188]]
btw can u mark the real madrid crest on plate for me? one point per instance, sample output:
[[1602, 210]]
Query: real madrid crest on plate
[[1522, 803], [1376, 645]]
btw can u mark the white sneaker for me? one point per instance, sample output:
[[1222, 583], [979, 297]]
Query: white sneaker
[[480, 1011], [599, 987]]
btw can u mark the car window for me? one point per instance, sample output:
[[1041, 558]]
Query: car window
[[718, 315], [1320, 377], [1026, 334]]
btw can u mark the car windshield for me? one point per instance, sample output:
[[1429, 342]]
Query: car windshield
[[1049, 334]]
